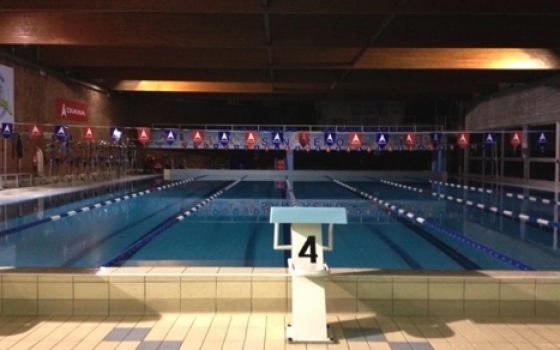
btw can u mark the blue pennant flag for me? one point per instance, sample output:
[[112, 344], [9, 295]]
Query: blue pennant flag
[[541, 139], [436, 138], [170, 136], [7, 130], [60, 132], [277, 139], [116, 133], [330, 138], [382, 140], [490, 139], [224, 138]]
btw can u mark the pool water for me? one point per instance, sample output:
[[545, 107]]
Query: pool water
[[138, 227]]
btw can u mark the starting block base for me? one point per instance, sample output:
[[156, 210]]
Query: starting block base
[[291, 336]]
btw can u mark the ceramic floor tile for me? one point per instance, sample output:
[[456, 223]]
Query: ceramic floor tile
[[275, 345], [117, 334], [130, 345], [234, 345], [170, 345], [211, 345], [149, 345], [107, 346], [177, 333], [254, 332]]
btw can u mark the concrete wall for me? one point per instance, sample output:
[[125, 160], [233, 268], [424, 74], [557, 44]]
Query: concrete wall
[[534, 104]]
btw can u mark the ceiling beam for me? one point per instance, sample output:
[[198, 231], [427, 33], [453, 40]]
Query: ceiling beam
[[477, 58], [372, 58], [192, 86], [131, 29], [205, 30], [395, 87], [285, 6], [363, 49]]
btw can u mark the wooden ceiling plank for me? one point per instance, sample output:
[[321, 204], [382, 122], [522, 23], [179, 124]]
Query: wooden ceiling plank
[[373, 58], [479, 58], [287, 6], [293, 30], [166, 73], [139, 29], [84, 56], [192, 86]]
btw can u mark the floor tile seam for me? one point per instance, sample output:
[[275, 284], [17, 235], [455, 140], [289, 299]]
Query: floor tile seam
[[35, 328], [506, 336], [524, 334], [59, 326], [206, 328], [411, 323]]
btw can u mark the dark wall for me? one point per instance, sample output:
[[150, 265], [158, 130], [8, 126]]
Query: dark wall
[[147, 109], [342, 160]]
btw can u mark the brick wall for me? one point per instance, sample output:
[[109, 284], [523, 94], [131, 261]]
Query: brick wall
[[534, 104], [35, 102]]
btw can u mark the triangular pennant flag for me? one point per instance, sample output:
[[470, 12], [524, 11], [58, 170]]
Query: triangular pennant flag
[[197, 137], [88, 133], [60, 132], [35, 132]]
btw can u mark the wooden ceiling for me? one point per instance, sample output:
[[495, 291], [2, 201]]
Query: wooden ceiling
[[377, 48]]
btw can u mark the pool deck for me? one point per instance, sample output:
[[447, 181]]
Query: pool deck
[[266, 331], [20, 194], [256, 329]]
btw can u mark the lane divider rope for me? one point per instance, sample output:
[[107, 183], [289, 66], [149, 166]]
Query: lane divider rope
[[482, 206], [507, 194], [144, 240], [457, 236], [83, 209]]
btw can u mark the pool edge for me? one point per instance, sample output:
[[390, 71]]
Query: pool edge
[[160, 290]]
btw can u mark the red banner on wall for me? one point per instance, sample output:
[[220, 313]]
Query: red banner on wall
[[71, 110]]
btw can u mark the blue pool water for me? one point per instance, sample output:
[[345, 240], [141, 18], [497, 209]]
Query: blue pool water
[[409, 224]]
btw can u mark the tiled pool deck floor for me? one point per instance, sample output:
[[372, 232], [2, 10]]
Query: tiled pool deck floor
[[266, 331]]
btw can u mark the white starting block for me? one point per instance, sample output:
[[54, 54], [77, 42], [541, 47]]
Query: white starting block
[[307, 268]]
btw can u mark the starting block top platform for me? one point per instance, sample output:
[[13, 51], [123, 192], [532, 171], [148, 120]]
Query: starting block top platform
[[307, 215]]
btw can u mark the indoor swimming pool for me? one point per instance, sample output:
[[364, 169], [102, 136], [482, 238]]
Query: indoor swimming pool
[[403, 223]]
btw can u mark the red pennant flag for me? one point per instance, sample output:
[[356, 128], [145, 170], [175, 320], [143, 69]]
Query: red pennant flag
[[303, 138], [197, 137], [409, 140], [89, 133], [35, 131], [251, 138], [463, 139], [516, 138], [143, 135], [356, 139]]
